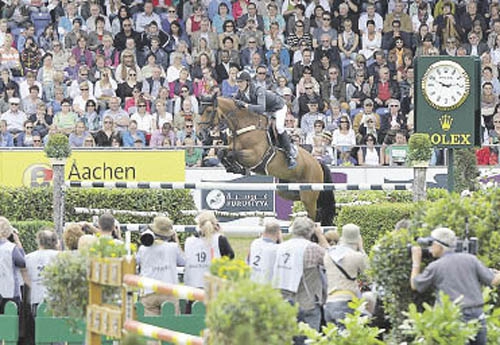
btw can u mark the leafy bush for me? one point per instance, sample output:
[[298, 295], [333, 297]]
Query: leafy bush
[[482, 212], [58, 146], [465, 170], [67, 286], [357, 330], [375, 220], [390, 267], [419, 148], [439, 325], [251, 314], [229, 269]]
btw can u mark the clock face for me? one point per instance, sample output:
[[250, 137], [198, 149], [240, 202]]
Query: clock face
[[445, 85]]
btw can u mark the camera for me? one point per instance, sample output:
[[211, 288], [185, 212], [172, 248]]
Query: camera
[[467, 245], [147, 237]]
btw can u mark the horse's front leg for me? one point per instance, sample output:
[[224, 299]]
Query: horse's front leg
[[309, 199]]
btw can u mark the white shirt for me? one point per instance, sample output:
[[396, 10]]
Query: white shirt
[[144, 123]]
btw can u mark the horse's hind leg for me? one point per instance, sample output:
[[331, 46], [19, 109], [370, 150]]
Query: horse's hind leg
[[309, 198]]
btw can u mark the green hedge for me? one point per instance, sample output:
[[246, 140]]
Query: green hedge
[[27, 231], [375, 220], [23, 204]]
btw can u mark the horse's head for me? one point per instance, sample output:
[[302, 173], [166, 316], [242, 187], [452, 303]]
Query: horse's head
[[214, 114]]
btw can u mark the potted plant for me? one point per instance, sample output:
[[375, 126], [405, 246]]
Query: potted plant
[[419, 149], [57, 148]]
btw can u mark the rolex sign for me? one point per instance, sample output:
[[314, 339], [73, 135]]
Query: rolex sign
[[447, 100]]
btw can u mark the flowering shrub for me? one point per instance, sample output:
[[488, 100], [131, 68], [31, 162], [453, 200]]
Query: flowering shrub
[[233, 270], [106, 247]]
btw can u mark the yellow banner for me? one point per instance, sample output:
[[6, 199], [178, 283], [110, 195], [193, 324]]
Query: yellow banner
[[32, 168]]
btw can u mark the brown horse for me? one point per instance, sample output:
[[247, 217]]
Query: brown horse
[[250, 145]]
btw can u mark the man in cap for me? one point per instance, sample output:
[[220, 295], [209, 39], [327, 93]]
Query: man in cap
[[258, 100], [262, 254], [14, 117], [459, 275], [344, 263], [298, 271], [159, 261]]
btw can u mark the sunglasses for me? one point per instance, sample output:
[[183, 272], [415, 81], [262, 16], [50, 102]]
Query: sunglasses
[[261, 72], [84, 89], [108, 121], [344, 121], [189, 126], [308, 88], [37, 141], [29, 127], [142, 105], [496, 121], [394, 105], [132, 75]]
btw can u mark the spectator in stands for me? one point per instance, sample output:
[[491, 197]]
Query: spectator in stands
[[130, 136], [389, 36], [368, 125], [370, 16], [41, 120], [6, 139], [25, 138], [384, 88], [161, 114], [395, 119], [251, 15], [104, 135], [313, 122], [262, 254], [344, 136], [220, 18], [297, 271], [348, 42], [325, 28], [14, 116], [474, 46], [368, 154], [13, 259], [165, 132], [144, 119], [395, 148], [494, 136], [96, 37], [399, 14], [171, 18], [78, 135], [467, 19], [229, 85], [89, 141], [66, 119], [125, 89], [80, 101], [126, 32], [357, 92], [29, 103], [332, 86], [371, 40]]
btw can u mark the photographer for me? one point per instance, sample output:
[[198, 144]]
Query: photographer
[[297, 271], [262, 254], [343, 263], [159, 260], [459, 275], [11, 260]]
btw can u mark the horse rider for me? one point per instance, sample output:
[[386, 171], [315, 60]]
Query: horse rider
[[259, 100]]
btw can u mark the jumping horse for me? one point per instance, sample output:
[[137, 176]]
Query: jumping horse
[[250, 143]]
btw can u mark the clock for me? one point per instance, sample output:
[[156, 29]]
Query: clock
[[445, 85]]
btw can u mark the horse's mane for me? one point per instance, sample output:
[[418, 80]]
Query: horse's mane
[[240, 112]]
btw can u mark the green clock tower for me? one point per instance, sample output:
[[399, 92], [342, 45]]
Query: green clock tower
[[447, 100]]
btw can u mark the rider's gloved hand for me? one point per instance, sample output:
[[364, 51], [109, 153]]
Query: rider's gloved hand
[[240, 104]]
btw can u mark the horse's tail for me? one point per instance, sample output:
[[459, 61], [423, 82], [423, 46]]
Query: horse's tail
[[326, 201]]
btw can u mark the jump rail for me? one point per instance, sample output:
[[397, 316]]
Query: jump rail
[[226, 228], [84, 210], [240, 186], [161, 333], [179, 291]]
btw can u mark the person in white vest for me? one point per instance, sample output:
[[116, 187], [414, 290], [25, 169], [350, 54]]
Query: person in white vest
[[159, 261], [262, 254], [12, 259], [36, 262], [344, 263], [200, 251], [297, 271]]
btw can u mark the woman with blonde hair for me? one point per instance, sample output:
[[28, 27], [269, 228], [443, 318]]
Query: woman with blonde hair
[[200, 251], [127, 62]]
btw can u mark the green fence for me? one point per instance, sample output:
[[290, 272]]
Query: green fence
[[9, 324], [49, 329]]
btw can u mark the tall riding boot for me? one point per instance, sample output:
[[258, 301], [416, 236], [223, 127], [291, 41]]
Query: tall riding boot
[[290, 151]]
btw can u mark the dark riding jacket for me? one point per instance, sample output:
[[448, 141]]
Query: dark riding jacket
[[260, 100]]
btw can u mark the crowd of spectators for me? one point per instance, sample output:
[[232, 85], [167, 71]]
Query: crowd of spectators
[[137, 73]]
